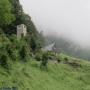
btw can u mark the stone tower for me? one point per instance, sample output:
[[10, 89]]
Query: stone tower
[[21, 31]]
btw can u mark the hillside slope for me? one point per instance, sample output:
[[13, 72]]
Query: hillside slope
[[69, 46], [58, 76]]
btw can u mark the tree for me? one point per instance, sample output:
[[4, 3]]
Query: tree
[[45, 58], [17, 11], [33, 44], [6, 17]]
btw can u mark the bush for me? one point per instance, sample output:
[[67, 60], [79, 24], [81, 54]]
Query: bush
[[24, 53], [33, 44], [66, 60], [1, 31], [4, 58], [12, 49], [4, 61], [58, 58], [45, 59], [11, 52], [38, 55]]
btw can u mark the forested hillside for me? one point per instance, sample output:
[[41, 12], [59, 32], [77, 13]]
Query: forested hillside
[[12, 15], [11, 48], [23, 63]]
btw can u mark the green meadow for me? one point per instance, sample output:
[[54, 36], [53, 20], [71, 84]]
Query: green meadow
[[57, 76]]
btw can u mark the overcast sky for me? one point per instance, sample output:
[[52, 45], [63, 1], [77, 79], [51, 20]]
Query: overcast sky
[[62, 17]]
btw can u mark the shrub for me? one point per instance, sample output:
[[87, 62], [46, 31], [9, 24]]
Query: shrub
[[45, 59], [66, 60], [24, 53], [11, 52], [1, 31], [38, 55], [58, 58], [4, 58], [33, 44], [4, 61]]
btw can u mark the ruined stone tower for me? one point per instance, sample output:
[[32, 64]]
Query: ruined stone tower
[[21, 31]]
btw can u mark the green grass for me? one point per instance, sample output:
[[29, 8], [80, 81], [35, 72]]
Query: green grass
[[55, 77]]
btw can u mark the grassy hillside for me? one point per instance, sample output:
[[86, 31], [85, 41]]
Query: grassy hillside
[[58, 76], [18, 69]]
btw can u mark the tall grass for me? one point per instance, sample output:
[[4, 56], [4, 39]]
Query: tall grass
[[57, 77]]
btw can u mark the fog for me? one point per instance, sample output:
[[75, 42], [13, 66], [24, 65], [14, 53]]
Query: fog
[[69, 18]]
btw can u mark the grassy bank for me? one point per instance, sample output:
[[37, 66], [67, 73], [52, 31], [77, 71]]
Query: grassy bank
[[29, 76]]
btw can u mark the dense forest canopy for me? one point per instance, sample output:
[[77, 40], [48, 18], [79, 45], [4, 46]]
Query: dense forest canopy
[[11, 48], [12, 14], [6, 16]]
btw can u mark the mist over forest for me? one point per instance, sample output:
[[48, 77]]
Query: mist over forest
[[62, 19], [68, 46]]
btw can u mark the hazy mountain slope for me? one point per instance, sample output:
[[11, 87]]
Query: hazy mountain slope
[[69, 47]]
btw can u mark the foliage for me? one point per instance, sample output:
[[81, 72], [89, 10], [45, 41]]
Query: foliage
[[66, 60], [12, 49], [45, 58], [17, 11], [57, 77], [24, 53], [34, 38], [11, 14], [4, 61], [6, 17], [38, 55], [33, 44], [3, 52], [58, 58]]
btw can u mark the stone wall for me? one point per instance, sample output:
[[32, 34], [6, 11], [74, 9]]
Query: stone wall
[[21, 31]]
